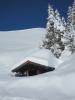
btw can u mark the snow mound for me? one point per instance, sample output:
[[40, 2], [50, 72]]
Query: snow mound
[[68, 65], [46, 55], [41, 56]]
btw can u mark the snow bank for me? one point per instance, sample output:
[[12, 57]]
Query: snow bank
[[41, 56], [67, 65]]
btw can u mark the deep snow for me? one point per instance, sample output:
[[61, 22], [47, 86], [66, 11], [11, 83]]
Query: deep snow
[[56, 85], [41, 56]]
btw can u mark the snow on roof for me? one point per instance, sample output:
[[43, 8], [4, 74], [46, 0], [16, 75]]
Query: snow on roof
[[41, 56]]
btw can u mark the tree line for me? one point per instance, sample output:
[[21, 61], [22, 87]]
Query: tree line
[[60, 33]]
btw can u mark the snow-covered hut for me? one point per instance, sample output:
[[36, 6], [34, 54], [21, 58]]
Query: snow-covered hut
[[38, 62]]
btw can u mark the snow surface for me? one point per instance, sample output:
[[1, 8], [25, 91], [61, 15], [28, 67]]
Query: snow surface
[[41, 56], [56, 85]]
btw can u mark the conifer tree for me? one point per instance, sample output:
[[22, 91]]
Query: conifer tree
[[57, 18], [63, 22], [67, 34], [53, 37], [49, 38], [73, 16], [69, 19], [70, 29]]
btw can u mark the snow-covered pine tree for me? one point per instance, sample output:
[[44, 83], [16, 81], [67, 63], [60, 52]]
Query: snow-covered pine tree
[[63, 22], [73, 16], [58, 45], [69, 19], [59, 26], [71, 45], [53, 37], [57, 15], [57, 20], [70, 29], [49, 38]]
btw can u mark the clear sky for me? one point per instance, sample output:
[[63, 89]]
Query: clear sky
[[24, 14]]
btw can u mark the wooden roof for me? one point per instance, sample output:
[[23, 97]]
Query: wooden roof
[[28, 65]]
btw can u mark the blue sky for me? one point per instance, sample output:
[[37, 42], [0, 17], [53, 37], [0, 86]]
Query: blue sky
[[24, 14]]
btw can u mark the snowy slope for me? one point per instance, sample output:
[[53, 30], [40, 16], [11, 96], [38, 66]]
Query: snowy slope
[[21, 40], [15, 45], [56, 85]]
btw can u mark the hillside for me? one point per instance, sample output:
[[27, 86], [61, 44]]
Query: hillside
[[15, 45], [56, 85], [21, 39]]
